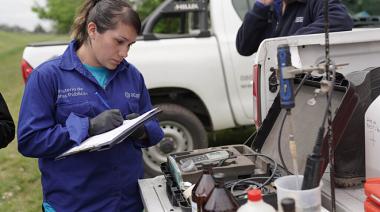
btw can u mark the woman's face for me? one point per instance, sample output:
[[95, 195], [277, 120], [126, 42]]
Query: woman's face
[[111, 47]]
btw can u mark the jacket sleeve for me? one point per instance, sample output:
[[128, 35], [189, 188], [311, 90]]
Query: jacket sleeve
[[7, 126], [38, 133], [153, 129], [252, 30], [339, 19]]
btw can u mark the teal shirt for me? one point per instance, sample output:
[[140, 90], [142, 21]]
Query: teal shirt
[[100, 74]]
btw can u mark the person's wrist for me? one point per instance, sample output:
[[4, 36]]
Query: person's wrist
[[265, 3]]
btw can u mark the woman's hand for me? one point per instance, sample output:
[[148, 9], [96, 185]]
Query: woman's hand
[[139, 132], [104, 122]]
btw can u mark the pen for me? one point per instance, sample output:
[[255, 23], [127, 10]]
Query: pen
[[104, 102]]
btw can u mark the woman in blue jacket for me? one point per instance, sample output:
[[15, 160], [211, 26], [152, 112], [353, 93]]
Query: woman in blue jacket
[[60, 109]]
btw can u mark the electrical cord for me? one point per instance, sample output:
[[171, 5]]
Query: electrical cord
[[283, 121], [260, 186], [318, 143], [298, 88], [247, 185], [330, 94]]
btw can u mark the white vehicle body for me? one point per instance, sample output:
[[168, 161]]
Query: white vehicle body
[[208, 68], [204, 84]]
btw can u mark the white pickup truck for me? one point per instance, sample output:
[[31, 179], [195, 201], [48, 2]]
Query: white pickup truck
[[197, 76], [200, 80]]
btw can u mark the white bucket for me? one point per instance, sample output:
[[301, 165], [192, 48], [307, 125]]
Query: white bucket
[[372, 139]]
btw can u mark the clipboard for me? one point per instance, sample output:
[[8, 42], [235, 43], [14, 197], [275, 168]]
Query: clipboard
[[108, 139]]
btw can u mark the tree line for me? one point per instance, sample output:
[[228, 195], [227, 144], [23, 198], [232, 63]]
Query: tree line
[[63, 12]]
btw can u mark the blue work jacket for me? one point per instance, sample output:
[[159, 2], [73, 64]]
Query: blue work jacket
[[58, 101], [300, 17]]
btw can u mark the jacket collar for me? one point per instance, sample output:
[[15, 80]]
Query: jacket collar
[[70, 60]]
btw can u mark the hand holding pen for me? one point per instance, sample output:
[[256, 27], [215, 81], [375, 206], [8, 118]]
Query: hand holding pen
[[106, 121]]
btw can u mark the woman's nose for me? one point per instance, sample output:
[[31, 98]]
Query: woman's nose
[[124, 52]]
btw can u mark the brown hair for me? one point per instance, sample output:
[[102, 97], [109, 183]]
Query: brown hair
[[105, 14]]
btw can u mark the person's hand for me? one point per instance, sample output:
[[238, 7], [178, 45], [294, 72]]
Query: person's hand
[[104, 122], [139, 132], [266, 2]]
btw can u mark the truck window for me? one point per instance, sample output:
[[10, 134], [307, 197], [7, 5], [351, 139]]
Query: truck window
[[170, 25], [242, 6], [177, 19], [173, 25]]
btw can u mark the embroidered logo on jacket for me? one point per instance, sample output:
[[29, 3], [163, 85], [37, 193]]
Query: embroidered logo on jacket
[[71, 92], [299, 20], [129, 95]]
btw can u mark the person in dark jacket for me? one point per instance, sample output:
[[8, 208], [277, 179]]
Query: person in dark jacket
[[7, 126], [277, 18]]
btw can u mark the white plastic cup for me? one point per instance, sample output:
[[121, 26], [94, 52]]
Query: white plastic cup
[[306, 200]]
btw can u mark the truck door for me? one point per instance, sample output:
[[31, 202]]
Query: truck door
[[226, 19]]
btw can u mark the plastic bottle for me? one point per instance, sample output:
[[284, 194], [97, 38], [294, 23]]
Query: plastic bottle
[[372, 141], [202, 188], [255, 203], [220, 199], [288, 205]]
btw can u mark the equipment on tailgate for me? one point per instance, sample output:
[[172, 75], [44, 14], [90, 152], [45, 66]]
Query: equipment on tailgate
[[220, 199], [203, 187], [208, 157]]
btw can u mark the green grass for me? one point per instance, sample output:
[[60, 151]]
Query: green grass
[[20, 186]]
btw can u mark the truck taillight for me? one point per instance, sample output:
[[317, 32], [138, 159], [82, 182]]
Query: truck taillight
[[256, 99], [26, 70]]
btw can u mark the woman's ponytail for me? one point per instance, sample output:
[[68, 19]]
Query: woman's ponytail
[[79, 28]]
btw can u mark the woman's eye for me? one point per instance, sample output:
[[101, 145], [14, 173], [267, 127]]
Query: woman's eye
[[130, 45], [119, 41]]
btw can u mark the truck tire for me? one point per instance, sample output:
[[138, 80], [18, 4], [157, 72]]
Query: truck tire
[[183, 132]]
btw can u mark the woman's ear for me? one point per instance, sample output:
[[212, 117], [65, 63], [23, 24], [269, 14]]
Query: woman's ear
[[91, 28]]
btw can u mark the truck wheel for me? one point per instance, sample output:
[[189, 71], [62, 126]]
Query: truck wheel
[[183, 132]]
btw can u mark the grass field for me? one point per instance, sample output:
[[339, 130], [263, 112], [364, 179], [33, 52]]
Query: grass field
[[20, 187]]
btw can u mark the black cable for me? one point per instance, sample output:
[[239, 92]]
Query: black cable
[[318, 143], [244, 185], [329, 131], [247, 181], [279, 143], [282, 125], [330, 94], [252, 178]]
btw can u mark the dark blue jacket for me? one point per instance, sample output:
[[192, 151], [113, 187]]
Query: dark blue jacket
[[7, 126], [59, 99], [300, 17]]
